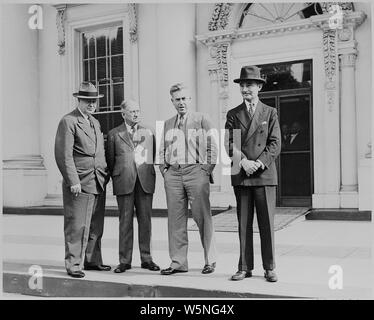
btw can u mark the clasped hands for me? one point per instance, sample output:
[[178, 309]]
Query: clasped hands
[[250, 166]]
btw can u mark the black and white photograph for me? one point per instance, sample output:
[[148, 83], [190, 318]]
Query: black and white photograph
[[186, 150]]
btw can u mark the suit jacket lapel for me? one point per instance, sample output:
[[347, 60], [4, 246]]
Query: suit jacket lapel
[[97, 130], [82, 123], [125, 136], [243, 116], [255, 120], [169, 132], [170, 125]]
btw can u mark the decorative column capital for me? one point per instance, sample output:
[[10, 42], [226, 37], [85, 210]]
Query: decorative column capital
[[213, 72], [348, 60], [60, 23]]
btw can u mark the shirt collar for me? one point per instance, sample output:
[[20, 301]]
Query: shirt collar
[[184, 116], [83, 115], [135, 126], [252, 105]]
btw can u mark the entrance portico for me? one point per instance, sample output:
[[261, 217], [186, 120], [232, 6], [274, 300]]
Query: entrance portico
[[333, 49]]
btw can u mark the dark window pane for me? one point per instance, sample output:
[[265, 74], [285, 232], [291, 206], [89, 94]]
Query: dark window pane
[[295, 179], [85, 46], [109, 121], [117, 69], [294, 122], [101, 69], [288, 75], [92, 52], [116, 41], [269, 101], [85, 71], [100, 43], [92, 71], [118, 94], [104, 105], [104, 68]]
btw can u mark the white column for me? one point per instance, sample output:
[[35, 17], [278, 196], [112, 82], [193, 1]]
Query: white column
[[24, 172], [348, 123]]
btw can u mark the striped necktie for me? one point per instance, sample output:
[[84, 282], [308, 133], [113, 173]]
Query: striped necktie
[[251, 110]]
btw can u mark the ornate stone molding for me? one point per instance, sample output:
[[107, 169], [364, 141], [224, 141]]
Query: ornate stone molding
[[220, 16], [345, 6], [220, 55], [330, 57], [330, 98], [60, 23], [345, 34], [133, 26], [351, 19]]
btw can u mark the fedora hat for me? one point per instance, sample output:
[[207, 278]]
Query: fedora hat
[[250, 73], [87, 91]]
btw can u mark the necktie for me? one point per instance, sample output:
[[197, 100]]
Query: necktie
[[132, 134], [250, 111], [131, 131], [180, 124], [92, 126], [91, 123]]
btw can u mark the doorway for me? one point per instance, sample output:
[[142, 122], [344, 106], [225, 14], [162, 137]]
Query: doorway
[[288, 88]]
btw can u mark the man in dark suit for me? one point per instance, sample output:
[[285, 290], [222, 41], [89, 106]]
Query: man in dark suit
[[253, 141], [188, 153], [80, 157], [130, 157]]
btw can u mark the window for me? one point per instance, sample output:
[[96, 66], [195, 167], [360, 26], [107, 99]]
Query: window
[[102, 64]]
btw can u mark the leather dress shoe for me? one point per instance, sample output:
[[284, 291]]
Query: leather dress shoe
[[270, 276], [122, 267], [150, 266], [240, 275], [76, 274], [169, 271], [101, 267], [209, 268]]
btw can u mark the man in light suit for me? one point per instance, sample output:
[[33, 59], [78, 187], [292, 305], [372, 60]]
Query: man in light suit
[[188, 155], [80, 157], [253, 174], [130, 156]]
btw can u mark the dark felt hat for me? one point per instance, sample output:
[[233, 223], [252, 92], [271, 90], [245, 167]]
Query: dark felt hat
[[250, 73]]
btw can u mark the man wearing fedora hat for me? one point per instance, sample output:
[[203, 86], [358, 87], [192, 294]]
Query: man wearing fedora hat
[[80, 157], [253, 142]]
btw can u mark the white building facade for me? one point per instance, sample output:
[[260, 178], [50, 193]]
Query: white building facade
[[140, 50]]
